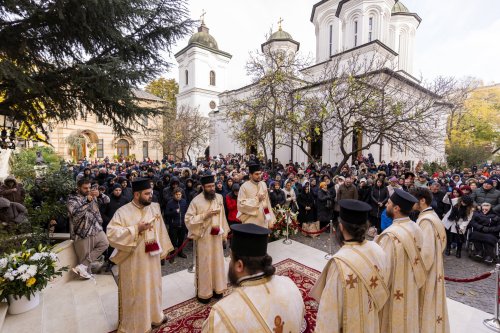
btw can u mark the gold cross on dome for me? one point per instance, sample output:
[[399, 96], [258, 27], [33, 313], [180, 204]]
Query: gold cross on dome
[[202, 16], [279, 23]]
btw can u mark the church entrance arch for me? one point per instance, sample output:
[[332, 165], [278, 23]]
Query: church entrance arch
[[122, 148], [316, 142]]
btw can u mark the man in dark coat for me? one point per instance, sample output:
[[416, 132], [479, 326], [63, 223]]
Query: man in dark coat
[[437, 200]]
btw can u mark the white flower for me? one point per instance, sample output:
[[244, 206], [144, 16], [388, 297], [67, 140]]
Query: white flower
[[24, 276], [53, 256], [3, 262], [8, 276], [32, 270], [14, 272], [36, 257], [22, 269]]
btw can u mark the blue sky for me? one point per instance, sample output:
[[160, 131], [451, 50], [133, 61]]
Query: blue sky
[[456, 37]]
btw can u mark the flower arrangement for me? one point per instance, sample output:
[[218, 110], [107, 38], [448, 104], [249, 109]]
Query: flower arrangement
[[27, 271], [284, 216]]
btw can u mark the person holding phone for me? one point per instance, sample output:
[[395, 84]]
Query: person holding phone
[[86, 225]]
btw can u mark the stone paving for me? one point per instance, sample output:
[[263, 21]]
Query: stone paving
[[479, 295]]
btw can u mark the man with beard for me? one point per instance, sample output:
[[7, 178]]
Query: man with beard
[[140, 238], [254, 205], [207, 226], [86, 225], [402, 243], [261, 301], [432, 302], [353, 283]]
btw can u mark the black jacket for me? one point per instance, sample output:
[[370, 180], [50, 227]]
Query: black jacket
[[379, 194], [110, 209], [174, 218], [325, 214], [489, 224], [438, 205], [277, 197], [306, 200]]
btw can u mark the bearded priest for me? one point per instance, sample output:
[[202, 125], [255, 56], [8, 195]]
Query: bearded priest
[[432, 302], [254, 205], [207, 226], [352, 288], [402, 242], [140, 239], [261, 301]]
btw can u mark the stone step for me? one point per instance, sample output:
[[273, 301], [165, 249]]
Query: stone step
[[67, 257]]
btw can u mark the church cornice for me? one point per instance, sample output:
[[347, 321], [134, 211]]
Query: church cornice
[[199, 90], [339, 7], [280, 40], [201, 46], [415, 15]]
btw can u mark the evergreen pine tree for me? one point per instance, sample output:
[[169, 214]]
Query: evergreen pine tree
[[64, 59]]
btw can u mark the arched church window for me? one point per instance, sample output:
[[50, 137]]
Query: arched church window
[[356, 33], [186, 77], [331, 40], [370, 29], [122, 148], [212, 78]]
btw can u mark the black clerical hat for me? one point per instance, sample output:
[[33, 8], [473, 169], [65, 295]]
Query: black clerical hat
[[208, 179], [249, 240], [403, 199], [141, 184], [354, 211], [253, 168]]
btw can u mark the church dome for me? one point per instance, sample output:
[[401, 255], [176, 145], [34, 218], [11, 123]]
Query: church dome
[[280, 34], [400, 8], [202, 37]]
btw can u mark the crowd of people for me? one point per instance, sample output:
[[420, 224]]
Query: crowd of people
[[163, 202]]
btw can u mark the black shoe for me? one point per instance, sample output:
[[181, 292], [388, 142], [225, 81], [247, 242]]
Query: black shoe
[[447, 251], [488, 260], [218, 296], [163, 262], [458, 254], [182, 255], [164, 321], [171, 260], [203, 301]]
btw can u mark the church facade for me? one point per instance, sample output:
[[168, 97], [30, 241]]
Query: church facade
[[74, 140], [345, 30]]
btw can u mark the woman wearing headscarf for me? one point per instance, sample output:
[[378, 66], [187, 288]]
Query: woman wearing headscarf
[[306, 210], [276, 195], [325, 205]]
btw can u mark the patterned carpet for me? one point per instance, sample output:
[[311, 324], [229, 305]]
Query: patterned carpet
[[188, 317]]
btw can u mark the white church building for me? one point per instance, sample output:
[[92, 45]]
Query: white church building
[[344, 29]]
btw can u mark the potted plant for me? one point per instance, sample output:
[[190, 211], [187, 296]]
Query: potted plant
[[286, 223], [24, 273]]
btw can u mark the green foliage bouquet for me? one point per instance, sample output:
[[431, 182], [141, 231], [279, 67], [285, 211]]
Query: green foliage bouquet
[[27, 271]]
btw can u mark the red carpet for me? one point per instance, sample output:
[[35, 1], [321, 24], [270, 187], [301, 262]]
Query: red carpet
[[188, 317]]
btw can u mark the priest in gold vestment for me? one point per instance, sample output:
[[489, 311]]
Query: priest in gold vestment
[[432, 302], [207, 226], [140, 239], [254, 205], [402, 242], [261, 301], [352, 288]]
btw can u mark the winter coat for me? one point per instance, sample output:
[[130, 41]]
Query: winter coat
[[111, 207], [306, 200], [12, 190], [12, 212], [168, 192], [325, 213], [127, 193], [488, 224], [364, 194], [175, 212], [232, 208], [379, 195], [438, 205], [492, 196], [347, 192], [277, 197], [290, 198]]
